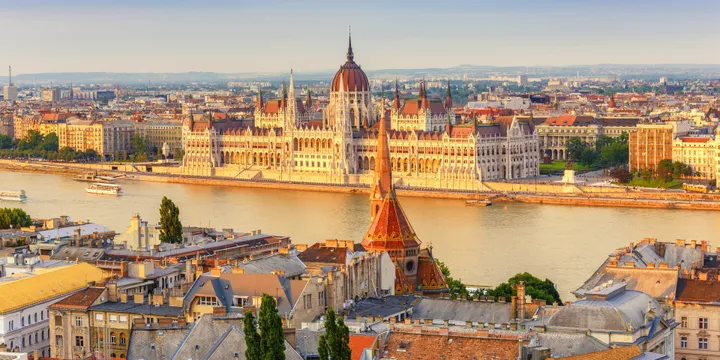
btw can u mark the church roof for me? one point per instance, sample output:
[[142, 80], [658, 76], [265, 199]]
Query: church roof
[[350, 75], [390, 229]]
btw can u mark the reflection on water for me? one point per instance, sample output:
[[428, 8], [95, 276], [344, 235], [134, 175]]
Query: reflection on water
[[481, 245]]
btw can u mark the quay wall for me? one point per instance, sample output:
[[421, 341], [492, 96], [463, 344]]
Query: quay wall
[[529, 192]]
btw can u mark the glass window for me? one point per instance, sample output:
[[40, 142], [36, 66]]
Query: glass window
[[702, 343], [113, 318], [703, 323], [683, 322], [79, 341], [78, 321], [123, 318], [99, 317], [683, 342]]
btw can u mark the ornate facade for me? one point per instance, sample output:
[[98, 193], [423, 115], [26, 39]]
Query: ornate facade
[[427, 148]]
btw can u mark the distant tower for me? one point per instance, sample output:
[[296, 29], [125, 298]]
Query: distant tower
[[10, 91]]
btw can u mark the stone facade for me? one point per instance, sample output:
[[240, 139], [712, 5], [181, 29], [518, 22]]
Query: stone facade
[[700, 153], [427, 148]]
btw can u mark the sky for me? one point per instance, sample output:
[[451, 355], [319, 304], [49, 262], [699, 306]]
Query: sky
[[240, 36]]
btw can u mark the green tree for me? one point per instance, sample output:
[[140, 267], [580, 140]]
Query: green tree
[[574, 148], [665, 170], [140, 148], [252, 338], [621, 174], [272, 340], [456, 287], [14, 218], [588, 157], [6, 142], [536, 288], [170, 226], [334, 344], [50, 142]]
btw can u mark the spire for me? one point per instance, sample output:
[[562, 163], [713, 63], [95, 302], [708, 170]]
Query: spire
[[259, 104], [350, 55], [308, 99], [283, 100], [448, 125], [396, 101], [382, 185], [611, 104], [448, 97], [423, 96]]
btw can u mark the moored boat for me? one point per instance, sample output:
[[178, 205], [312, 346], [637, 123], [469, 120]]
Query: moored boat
[[478, 202], [92, 177], [104, 189], [9, 195]]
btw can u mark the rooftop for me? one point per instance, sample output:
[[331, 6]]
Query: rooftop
[[698, 291]]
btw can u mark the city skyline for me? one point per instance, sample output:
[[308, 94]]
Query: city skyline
[[181, 36]]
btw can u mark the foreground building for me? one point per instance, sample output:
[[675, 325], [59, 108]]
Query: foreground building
[[697, 310], [426, 147]]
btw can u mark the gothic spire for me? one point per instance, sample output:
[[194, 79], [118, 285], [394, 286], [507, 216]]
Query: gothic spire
[[382, 184], [423, 96], [283, 100], [448, 97], [350, 55], [259, 103], [396, 101]]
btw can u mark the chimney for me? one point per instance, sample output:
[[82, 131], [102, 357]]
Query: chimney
[[290, 337], [704, 246], [238, 270], [513, 308], [138, 298], [123, 298], [520, 289], [112, 292]]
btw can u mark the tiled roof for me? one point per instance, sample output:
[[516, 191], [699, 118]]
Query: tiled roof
[[426, 346], [698, 291], [563, 344], [358, 343], [570, 120], [319, 253], [619, 353], [703, 139], [80, 300], [390, 229], [462, 311], [47, 285]]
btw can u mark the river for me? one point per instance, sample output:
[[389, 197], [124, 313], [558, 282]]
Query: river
[[481, 245]]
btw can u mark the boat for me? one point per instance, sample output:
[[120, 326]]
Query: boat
[[478, 202], [9, 195], [104, 189], [92, 177]]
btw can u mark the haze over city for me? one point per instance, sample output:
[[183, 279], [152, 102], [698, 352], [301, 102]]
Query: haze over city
[[258, 36]]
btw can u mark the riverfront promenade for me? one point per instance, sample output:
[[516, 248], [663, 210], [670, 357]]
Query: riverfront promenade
[[498, 192]]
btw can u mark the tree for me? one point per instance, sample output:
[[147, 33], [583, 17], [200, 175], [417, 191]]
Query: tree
[[456, 287], [665, 170], [6, 142], [588, 157], [536, 288], [574, 148], [170, 226], [334, 344], [272, 340], [621, 174], [14, 218], [50, 142], [140, 148], [252, 338]]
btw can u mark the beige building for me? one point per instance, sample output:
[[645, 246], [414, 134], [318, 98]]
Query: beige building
[[51, 95], [556, 131], [697, 310], [298, 301], [158, 133], [107, 138], [653, 142], [23, 124], [700, 153], [70, 323]]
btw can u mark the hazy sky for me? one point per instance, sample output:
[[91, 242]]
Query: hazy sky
[[274, 35]]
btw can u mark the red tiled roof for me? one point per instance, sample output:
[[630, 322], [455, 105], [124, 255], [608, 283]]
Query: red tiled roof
[[80, 300], [695, 139], [358, 343], [319, 253], [272, 107], [570, 120], [390, 229], [410, 107], [698, 291], [402, 346]]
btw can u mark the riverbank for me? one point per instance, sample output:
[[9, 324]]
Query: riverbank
[[499, 192]]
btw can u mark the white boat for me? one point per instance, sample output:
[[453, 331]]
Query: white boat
[[104, 189], [8, 195]]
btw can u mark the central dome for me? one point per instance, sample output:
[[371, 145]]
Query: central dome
[[353, 78]]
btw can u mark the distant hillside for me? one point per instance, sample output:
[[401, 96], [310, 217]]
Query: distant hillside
[[616, 70]]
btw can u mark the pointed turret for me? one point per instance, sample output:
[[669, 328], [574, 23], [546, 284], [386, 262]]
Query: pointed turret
[[308, 99], [283, 100], [423, 96], [448, 125], [448, 97], [382, 182], [259, 103], [396, 101], [350, 55], [611, 104]]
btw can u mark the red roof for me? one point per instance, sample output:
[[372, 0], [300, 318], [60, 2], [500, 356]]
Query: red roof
[[698, 291], [358, 343], [272, 107], [695, 139], [570, 120], [353, 78], [390, 229]]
